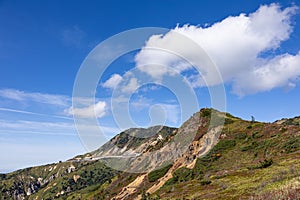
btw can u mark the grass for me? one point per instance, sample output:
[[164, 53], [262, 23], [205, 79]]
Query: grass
[[282, 194]]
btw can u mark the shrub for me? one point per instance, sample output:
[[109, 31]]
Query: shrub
[[157, 174], [264, 164], [2, 176], [248, 147], [183, 174], [205, 113], [223, 145], [292, 144], [171, 181], [180, 175], [291, 122], [230, 115], [205, 182], [256, 134], [228, 121], [240, 136]]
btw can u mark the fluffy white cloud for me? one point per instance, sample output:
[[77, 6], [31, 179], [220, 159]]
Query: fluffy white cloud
[[281, 71], [112, 82], [98, 110], [235, 45]]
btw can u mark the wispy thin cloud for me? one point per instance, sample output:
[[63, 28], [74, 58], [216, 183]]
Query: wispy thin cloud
[[52, 128], [22, 96], [33, 113], [36, 127]]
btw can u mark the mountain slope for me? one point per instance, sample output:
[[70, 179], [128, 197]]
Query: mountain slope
[[199, 160], [250, 159]]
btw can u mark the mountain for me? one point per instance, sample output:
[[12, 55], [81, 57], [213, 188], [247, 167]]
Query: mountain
[[213, 155]]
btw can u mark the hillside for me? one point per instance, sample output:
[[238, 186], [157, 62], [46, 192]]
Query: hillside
[[199, 160]]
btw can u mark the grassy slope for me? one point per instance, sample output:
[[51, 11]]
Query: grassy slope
[[237, 167], [92, 175]]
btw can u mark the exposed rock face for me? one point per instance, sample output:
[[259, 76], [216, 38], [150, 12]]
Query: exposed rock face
[[133, 141], [182, 149]]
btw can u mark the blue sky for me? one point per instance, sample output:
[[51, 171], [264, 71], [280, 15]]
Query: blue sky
[[254, 45]]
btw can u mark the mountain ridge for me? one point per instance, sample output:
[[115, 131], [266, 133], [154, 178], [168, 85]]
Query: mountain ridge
[[212, 164]]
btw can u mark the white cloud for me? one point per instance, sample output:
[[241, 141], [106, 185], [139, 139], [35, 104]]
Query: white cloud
[[281, 71], [22, 96], [131, 86], [150, 87], [234, 45], [98, 110], [112, 82]]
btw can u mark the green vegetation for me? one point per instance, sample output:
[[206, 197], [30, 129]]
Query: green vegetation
[[180, 175], [240, 136], [205, 182], [183, 174], [264, 164], [126, 139], [157, 174], [223, 145], [202, 165], [90, 176], [292, 144], [205, 113], [287, 193], [294, 121], [253, 158], [131, 141]]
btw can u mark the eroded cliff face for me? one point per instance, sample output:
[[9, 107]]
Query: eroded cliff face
[[144, 150], [193, 139]]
